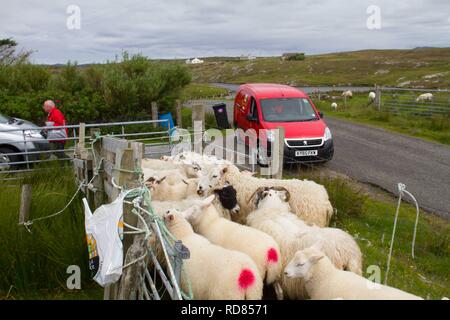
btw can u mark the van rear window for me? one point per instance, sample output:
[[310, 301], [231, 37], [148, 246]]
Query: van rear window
[[288, 110]]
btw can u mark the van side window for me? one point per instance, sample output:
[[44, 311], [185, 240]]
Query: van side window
[[253, 108]]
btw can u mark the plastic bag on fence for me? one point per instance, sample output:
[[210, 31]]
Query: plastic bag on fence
[[104, 231]]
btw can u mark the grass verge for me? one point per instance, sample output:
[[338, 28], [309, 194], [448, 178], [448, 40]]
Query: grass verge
[[33, 265], [194, 91], [433, 128], [370, 220]]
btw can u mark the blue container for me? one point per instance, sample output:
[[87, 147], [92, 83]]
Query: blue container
[[165, 124]]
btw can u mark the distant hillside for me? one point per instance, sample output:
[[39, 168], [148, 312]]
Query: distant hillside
[[420, 67]]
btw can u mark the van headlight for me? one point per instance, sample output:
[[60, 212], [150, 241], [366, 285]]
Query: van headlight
[[327, 136]]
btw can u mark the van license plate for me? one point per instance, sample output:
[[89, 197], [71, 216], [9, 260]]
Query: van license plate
[[305, 153]]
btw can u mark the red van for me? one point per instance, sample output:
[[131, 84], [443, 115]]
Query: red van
[[267, 106]]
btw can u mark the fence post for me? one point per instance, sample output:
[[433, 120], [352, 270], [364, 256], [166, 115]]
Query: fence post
[[131, 160], [198, 114], [198, 137], [278, 153], [178, 114], [25, 203], [378, 97], [99, 196], [154, 113], [80, 149]]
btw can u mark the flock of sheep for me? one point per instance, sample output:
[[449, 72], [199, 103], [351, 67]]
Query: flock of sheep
[[372, 97], [244, 233]]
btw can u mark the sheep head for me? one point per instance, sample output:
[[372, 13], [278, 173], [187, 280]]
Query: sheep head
[[302, 262], [197, 208], [228, 198], [278, 191], [153, 182]]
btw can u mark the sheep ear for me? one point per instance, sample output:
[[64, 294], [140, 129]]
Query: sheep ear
[[316, 257], [161, 180], [224, 170], [188, 212], [206, 202]]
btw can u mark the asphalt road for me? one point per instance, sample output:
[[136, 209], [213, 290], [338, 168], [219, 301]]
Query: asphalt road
[[384, 159]]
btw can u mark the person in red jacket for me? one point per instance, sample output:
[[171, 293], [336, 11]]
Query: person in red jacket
[[56, 137]]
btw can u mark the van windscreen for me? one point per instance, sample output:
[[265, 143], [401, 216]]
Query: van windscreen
[[287, 110]]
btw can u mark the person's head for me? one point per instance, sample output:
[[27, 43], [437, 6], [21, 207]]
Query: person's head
[[48, 105]]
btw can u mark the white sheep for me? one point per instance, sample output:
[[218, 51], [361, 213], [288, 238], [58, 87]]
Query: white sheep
[[153, 165], [334, 106], [425, 97], [261, 247], [323, 281], [215, 273], [347, 94], [172, 176], [273, 216], [193, 158], [161, 190], [372, 97], [309, 201]]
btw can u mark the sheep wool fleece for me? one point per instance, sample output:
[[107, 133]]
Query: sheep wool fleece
[[104, 230]]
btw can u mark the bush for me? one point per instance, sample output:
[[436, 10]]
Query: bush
[[296, 57], [115, 91]]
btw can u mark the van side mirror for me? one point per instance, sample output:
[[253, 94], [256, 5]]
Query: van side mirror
[[250, 117], [321, 115]]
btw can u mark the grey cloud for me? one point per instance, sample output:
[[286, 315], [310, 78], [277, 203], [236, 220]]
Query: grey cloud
[[188, 28]]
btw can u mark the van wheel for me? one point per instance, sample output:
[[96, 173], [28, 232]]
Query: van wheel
[[6, 159]]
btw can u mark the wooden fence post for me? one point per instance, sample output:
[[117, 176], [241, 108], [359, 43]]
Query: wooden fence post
[[378, 97], [25, 203], [131, 160], [178, 114], [198, 114], [154, 113]]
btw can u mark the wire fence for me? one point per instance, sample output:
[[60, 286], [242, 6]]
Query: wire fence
[[417, 102], [23, 148]]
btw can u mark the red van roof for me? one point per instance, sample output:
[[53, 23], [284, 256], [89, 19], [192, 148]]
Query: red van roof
[[273, 90]]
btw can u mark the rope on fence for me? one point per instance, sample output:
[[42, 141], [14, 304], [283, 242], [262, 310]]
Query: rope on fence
[[84, 183], [402, 190]]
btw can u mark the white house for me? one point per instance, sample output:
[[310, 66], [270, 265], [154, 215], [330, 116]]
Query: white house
[[196, 61], [188, 61]]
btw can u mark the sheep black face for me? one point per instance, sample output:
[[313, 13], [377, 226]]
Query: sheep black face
[[228, 199]]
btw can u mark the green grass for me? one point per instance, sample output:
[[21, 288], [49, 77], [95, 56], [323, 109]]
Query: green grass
[[33, 265], [435, 128], [195, 91], [384, 67], [370, 220]]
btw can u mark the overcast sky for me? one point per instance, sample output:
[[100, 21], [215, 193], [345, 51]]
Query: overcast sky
[[190, 28]]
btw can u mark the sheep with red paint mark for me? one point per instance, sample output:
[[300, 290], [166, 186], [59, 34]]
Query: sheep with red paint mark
[[215, 273], [274, 217], [261, 247]]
